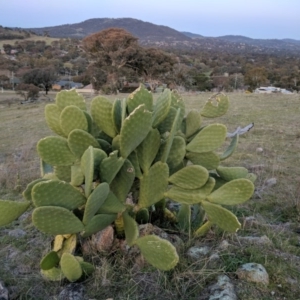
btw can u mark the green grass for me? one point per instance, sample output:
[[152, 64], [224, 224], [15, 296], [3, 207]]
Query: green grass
[[276, 130]]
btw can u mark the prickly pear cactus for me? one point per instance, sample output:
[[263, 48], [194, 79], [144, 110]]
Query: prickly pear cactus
[[123, 164]]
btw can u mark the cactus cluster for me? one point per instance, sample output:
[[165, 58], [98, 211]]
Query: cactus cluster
[[123, 164]]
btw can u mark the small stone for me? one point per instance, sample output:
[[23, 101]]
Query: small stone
[[253, 272], [214, 261], [3, 291], [73, 291], [196, 253], [272, 293], [224, 245], [259, 150], [270, 182], [223, 289], [16, 233], [263, 240]]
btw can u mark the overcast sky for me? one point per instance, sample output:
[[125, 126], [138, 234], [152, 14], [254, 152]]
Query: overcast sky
[[253, 18]]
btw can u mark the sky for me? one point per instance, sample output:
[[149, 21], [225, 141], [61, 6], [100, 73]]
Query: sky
[[265, 19]]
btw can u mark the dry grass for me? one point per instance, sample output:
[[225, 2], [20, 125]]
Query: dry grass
[[276, 207]]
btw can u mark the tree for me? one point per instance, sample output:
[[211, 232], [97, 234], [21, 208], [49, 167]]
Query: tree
[[255, 77], [28, 91], [41, 77]]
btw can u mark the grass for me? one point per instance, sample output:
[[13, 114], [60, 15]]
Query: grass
[[276, 209], [47, 40]]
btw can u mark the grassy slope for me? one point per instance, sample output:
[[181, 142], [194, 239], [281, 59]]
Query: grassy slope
[[47, 40], [276, 131]]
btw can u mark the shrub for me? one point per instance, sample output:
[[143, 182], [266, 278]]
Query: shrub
[[28, 91]]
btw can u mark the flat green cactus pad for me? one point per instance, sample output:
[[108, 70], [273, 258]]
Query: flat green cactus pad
[[57, 193], [77, 176], [208, 139], [27, 192], [87, 168], [70, 266], [102, 114], [55, 151], [231, 173], [161, 107], [49, 261], [123, 181], [234, 192], [56, 220], [166, 124], [252, 177], [153, 184], [138, 97], [142, 216], [52, 116], [178, 102], [220, 216], [185, 196], [11, 210], [97, 223], [63, 173], [190, 177], [135, 128], [54, 274], [110, 166], [158, 252], [58, 242], [208, 160], [177, 152], [95, 200], [112, 205], [87, 268], [184, 217], [211, 110], [79, 140], [148, 149], [131, 229], [202, 230], [72, 118], [117, 114], [230, 149], [69, 245], [133, 158], [71, 97], [193, 122]]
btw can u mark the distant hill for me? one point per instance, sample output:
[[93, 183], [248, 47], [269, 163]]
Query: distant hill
[[150, 34], [145, 31]]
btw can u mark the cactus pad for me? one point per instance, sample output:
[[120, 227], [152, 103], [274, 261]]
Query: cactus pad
[[158, 252], [87, 168], [140, 96], [201, 231], [110, 166], [131, 229], [148, 149], [190, 177], [57, 193], [208, 139], [102, 114], [63, 172], [156, 177], [54, 274], [208, 160], [95, 200], [222, 217], [123, 181], [193, 123], [212, 111], [231, 173], [234, 192], [72, 118], [135, 128], [49, 261], [70, 266], [97, 223], [11, 210], [54, 150], [79, 140], [27, 193], [52, 116], [161, 108], [184, 217], [71, 97], [111, 205], [56, 220], [230, 149]]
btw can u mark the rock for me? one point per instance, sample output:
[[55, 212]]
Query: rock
[[224, 245], [196, 253], [253, 272], [3, 291], [73, 291], [263, 240], [222, 290], [214, 261], [17, 233], [259, 150], [270, 182], [102, 241]]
